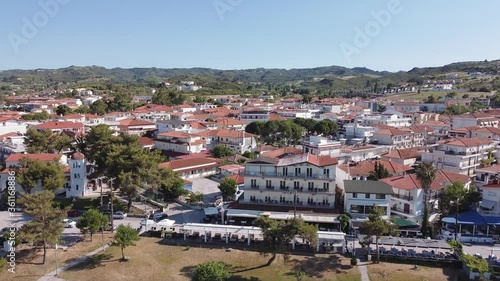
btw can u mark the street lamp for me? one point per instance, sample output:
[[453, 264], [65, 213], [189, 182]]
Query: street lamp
[[457, 202]]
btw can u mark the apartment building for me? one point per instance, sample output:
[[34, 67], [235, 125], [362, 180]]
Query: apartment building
[[249, 115], [408, 195], [308, 180], [11, 125], [399, 138], [386, 118], [136, 127], [461, 156], [179, 142], [319, 145], [480, 119]]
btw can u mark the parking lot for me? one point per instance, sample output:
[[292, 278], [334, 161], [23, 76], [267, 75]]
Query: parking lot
[[208, 187]]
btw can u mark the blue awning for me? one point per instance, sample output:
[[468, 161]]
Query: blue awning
[[469, 217]]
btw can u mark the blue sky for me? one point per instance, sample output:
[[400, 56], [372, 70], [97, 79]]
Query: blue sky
[[238, 34]]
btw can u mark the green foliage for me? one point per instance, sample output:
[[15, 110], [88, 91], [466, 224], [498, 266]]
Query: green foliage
[[46, 142], [99, 107], [194, 197], [451, 95], [456, 110], [299, 274], [250, 155], [475, 264], [46, 225], [221, 151], [199, 99], [379, 172], [455, 244], [82, 109], [125, 236], [63, 110], [31, 172], [280, 133], [171, 184], [121, 102], [278, 234], [169, 97], [91, 221], [431, 99], [228, 188], [450, 195], [37, 116], [376, 226], [211, 271], [426, 173], [3, 263], [354, 261], [465, 96], [344, 220]]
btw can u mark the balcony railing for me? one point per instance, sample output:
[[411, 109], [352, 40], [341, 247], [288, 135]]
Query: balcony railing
[[290, 188], [289, 203], [451, 152], [394, 208], [404, 197], [290, 175]]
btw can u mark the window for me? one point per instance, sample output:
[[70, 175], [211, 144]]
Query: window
[[253, 183], [285, 171], [295, 184], [367, 195], [326, 186], [297, 171], [282, 183], [268, 183], [74, 176], [354, 195], [326, 172], [310, 185], [77, 187], [309, 172], [357, 208], [380, 196]]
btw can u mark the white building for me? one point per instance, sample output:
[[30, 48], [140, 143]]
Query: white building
[[480, 119], [399, 138], [10, 125], [356, 130], [389, 119], [319, 145], [461, 156], [360, 196], [255, 114], [308, 179], [78, 185]]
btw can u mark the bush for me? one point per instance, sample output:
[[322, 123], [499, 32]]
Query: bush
[[354, 261], [3, 262], [211, 271]]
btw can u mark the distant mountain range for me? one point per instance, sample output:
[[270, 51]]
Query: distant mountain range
[[329, 76]]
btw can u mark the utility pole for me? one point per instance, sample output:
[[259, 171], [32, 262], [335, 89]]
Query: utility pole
[[57, 264], [111, 198]]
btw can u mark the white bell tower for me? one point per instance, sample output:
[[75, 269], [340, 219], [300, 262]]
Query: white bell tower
[[78, 176]]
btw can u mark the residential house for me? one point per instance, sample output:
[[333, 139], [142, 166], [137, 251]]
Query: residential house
[[399, 138], [11, 125], [319, 145], [179, 142], [361, 196], [137, 127], [190, 168], [405, 156], [480, 119], [408, 196], [61, 126]]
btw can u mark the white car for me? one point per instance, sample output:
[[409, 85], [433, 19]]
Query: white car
[[119, 215], [69, 223]]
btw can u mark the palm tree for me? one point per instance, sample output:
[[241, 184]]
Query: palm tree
[[426, 173]]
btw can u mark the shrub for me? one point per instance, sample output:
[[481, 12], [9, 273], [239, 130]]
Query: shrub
[[211, 271], [3, 262], [354, 261]]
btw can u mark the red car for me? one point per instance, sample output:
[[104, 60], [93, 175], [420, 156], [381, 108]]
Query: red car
[[73, 213]]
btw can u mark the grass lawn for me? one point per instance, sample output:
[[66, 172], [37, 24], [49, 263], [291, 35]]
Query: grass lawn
[[153, 261], [424, 95], [395, 272], [28, 260]]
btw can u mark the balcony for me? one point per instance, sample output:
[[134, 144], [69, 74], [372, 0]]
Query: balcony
[[460, 153], [290, 175], [403, 197], [289, 203], [400, 210]]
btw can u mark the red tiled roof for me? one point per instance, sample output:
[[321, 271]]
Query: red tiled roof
[[393, 132], [144, 141], [238, 178], [364, 168], [469, 142], [406, 153], [409, 182], [135, 122], [281, 151], [183, 164], [60, 125], [35, 156]]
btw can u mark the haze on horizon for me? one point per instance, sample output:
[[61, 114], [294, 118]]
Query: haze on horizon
[[388, 35]]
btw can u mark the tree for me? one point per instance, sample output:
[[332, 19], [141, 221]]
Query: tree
[[122, 102], [63, 109], [32, 172], [249, 155], [98, 144], [228, 188], [98, 107], [451, 95], [379, 172], [171, 185], [45, 141], [199, 99], [465, 96], [344, 220], [82, 109], [221, 151], [211, 271], [431, 99], [194, 197], [376, 226], [91, 221], [466, 198], [46, 225], [326, 127], [168, 97], [38, 116], [426, 173], [125, 236], [278, 234], [306, 99]]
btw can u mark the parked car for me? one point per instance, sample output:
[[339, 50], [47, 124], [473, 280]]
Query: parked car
[[69, 223], [73, 213], [119, 215], [159, 216]]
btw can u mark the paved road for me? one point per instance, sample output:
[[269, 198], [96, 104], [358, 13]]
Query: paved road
[[364, 272]]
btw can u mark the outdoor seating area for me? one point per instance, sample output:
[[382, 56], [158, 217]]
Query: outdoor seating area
[[412, 248]]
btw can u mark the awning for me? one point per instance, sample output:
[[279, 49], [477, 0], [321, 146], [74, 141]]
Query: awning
[[404, 222], [487, 204]]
